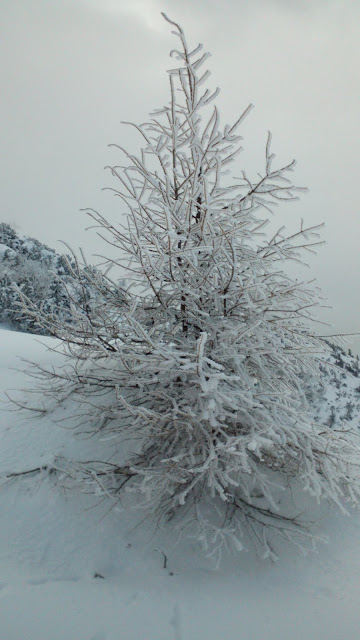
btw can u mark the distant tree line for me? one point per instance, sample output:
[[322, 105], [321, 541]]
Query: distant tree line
[[42, 275]]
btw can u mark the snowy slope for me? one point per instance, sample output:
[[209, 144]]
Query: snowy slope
[[5, 249], [55, 545]]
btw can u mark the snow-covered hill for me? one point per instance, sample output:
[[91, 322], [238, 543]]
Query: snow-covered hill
[[337, 400], [73, 570], [35, 269], [43, 276]]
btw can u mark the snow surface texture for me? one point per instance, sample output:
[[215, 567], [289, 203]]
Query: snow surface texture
[[73, 570]]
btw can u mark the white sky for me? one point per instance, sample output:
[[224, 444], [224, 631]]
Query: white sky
[[73, 69]]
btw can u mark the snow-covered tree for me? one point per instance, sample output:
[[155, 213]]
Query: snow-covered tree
[[200, 360]]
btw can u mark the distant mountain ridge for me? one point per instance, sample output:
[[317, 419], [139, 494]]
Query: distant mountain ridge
[[36, 269]]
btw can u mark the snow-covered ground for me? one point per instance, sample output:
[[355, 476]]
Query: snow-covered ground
[[73, 570]]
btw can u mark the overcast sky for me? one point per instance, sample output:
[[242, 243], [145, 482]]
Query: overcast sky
[[72, 70]]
